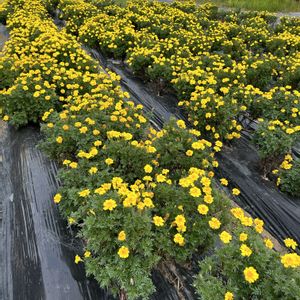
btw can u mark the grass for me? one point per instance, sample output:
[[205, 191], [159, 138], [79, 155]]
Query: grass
[[269, 5]]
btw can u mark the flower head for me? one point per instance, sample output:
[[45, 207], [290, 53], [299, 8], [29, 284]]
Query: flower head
[[122, 236], [148, 168], [235, 192], [245, 250], [214, 223], [290, 243], [57, 198], [179, 239], [228, 296], [268, 243], [225, 237], [250, 274], [158, 221], [123, 252], [203, 209], [78, 259], [109, 204], [109, 161]]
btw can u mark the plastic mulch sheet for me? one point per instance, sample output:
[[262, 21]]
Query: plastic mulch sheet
[[37, 251]]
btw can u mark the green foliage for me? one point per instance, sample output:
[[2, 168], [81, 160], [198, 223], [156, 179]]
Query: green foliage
[[272, 141], [223, 272], [290, 179]]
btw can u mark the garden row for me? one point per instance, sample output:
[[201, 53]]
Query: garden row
[[221, 65], [141, 199]]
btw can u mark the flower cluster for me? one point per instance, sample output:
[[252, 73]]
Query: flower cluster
[[222, 67], [288, 175]]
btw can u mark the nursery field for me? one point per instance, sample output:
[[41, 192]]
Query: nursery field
[[148, 150]]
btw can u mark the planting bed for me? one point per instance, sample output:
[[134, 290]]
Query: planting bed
[[138, 188]]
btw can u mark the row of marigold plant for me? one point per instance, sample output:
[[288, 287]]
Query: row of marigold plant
[[141, 198], [220, 65]]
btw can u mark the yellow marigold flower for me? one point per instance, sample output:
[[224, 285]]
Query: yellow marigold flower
[[185, 182], [50, 125], [215, 164], [181, 124], [207, 190], [36, 94], [181, 228], [224, 181], [93, 170], [208, 199], [195, 192], [268, 243], [219, 144], [179, 239], [228, 296], [73, 165], [247, 221], [123, 252], [148, 168], [225, 237], [59, 139], [109, 161], [71, 220], [290, 243], [87, 254], [96, 132], [250, 274], [243, 237], [180, 207], [214, 223], [84, 193], [116, 182], [290, 131], [258, 222], [65, 127], [109, 204], [150, 149], [158, 221], [203, 209], [237, 212], [198, 146], [113, 118], [290, 260], [141, 205], [235, 192], [165, 171], [97, 143], [160, 178], [78, 259], [189, 153], [57, 198], [147, 178], [122, 236], [245, 250], [83, 129], [180, 220], [259, 229], [6, 118], [211, 174], [205, 181]]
